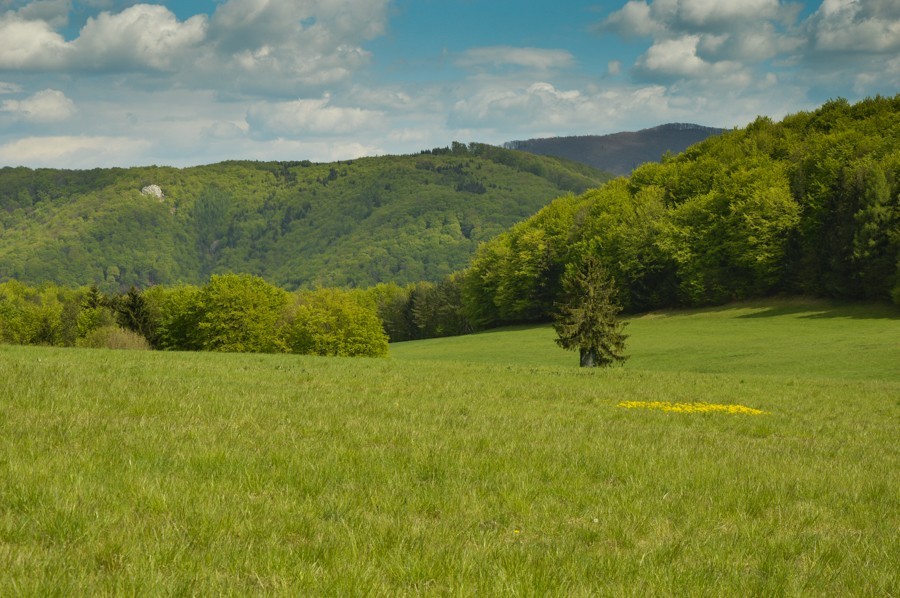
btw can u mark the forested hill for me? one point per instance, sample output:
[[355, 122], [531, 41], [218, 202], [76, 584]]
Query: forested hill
[[619, 153], [809, 205], [298, 224]]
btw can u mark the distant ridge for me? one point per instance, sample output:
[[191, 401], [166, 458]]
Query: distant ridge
[[619, 153]]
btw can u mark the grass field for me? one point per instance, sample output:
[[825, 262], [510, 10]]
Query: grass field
[[797, 337], [485, 465]]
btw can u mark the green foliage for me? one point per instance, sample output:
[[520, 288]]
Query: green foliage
[[113, 337], [334, 323], [421, 310], [239, 313], [133, 313], [396, 219], [394, 308], [587, 315], [809, 205], [45, 315], [174, 313], [95, 312], [437, 308], [232, 313]]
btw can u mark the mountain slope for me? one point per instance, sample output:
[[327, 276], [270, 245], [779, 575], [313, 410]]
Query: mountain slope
[[356, 223], [619, 153]]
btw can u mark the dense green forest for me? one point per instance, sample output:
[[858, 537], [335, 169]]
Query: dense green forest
[[808, 205], [297, 224]]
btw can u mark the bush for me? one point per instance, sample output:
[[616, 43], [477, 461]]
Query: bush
[[240, 313], [334, 322], [113, 337]]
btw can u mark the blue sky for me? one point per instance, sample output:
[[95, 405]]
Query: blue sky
[[87, 83]]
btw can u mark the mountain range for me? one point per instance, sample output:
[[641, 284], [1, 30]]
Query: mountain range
[[619, 153]]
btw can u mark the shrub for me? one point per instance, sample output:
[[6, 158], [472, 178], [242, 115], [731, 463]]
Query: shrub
[[113, 337], [334, 322], [240, 313]]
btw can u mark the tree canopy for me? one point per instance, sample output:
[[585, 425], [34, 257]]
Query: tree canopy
[[401, 219], [810, 205]]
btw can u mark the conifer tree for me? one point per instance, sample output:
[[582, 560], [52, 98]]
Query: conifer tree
[[132, 314], [587, 316]]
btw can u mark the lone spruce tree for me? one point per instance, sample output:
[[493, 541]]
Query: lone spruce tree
[[587, 315]]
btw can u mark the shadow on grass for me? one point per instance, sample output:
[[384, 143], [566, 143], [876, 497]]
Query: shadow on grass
[[816, 310]]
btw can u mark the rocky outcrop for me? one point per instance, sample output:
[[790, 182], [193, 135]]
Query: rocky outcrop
[[153, 190]]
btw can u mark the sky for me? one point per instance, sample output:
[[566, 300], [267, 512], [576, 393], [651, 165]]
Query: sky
[[99, 83]]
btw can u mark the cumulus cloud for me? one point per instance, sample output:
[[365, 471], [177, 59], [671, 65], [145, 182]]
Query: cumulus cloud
[[854, 26], [711, 36], [678, 58], [54, 12], [308, 117], [659, 17], [244, 43], [634, 18], [141, 36], [47, 106], [499, 56], [313, 43], [30, 45], [707, 37], [717, 15]]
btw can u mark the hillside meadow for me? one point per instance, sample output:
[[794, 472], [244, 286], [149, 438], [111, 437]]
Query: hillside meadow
[[492, 467]]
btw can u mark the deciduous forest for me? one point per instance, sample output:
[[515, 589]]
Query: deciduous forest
[[297, 224]]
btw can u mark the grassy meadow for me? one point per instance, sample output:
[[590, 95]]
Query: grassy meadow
[[488, 465]]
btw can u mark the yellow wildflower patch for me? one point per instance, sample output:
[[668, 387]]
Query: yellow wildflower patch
[[690, 407]]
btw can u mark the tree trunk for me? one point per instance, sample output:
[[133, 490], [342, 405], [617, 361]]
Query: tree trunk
[[588, 358]]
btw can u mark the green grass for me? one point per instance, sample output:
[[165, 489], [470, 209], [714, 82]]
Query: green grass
[[167, 473], [796, 337]]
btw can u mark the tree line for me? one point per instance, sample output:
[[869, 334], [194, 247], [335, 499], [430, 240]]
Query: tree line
[[231, 313]]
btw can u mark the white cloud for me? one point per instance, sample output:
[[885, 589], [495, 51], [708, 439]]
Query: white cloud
[[633, 19], [308, 117], [854, 26], [678, 58], [7, 88], [719, 14], [245, 44], [54, 12], [697, 38], [141, 36], [497, 56], [45, 106], [660, 17], [542, 109], [30, 45], [74, 151], [314, 43]]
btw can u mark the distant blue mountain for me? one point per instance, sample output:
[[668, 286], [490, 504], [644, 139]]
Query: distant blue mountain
[[619, 153]]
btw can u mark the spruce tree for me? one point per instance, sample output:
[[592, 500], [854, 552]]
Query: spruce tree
[[587, 315]]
